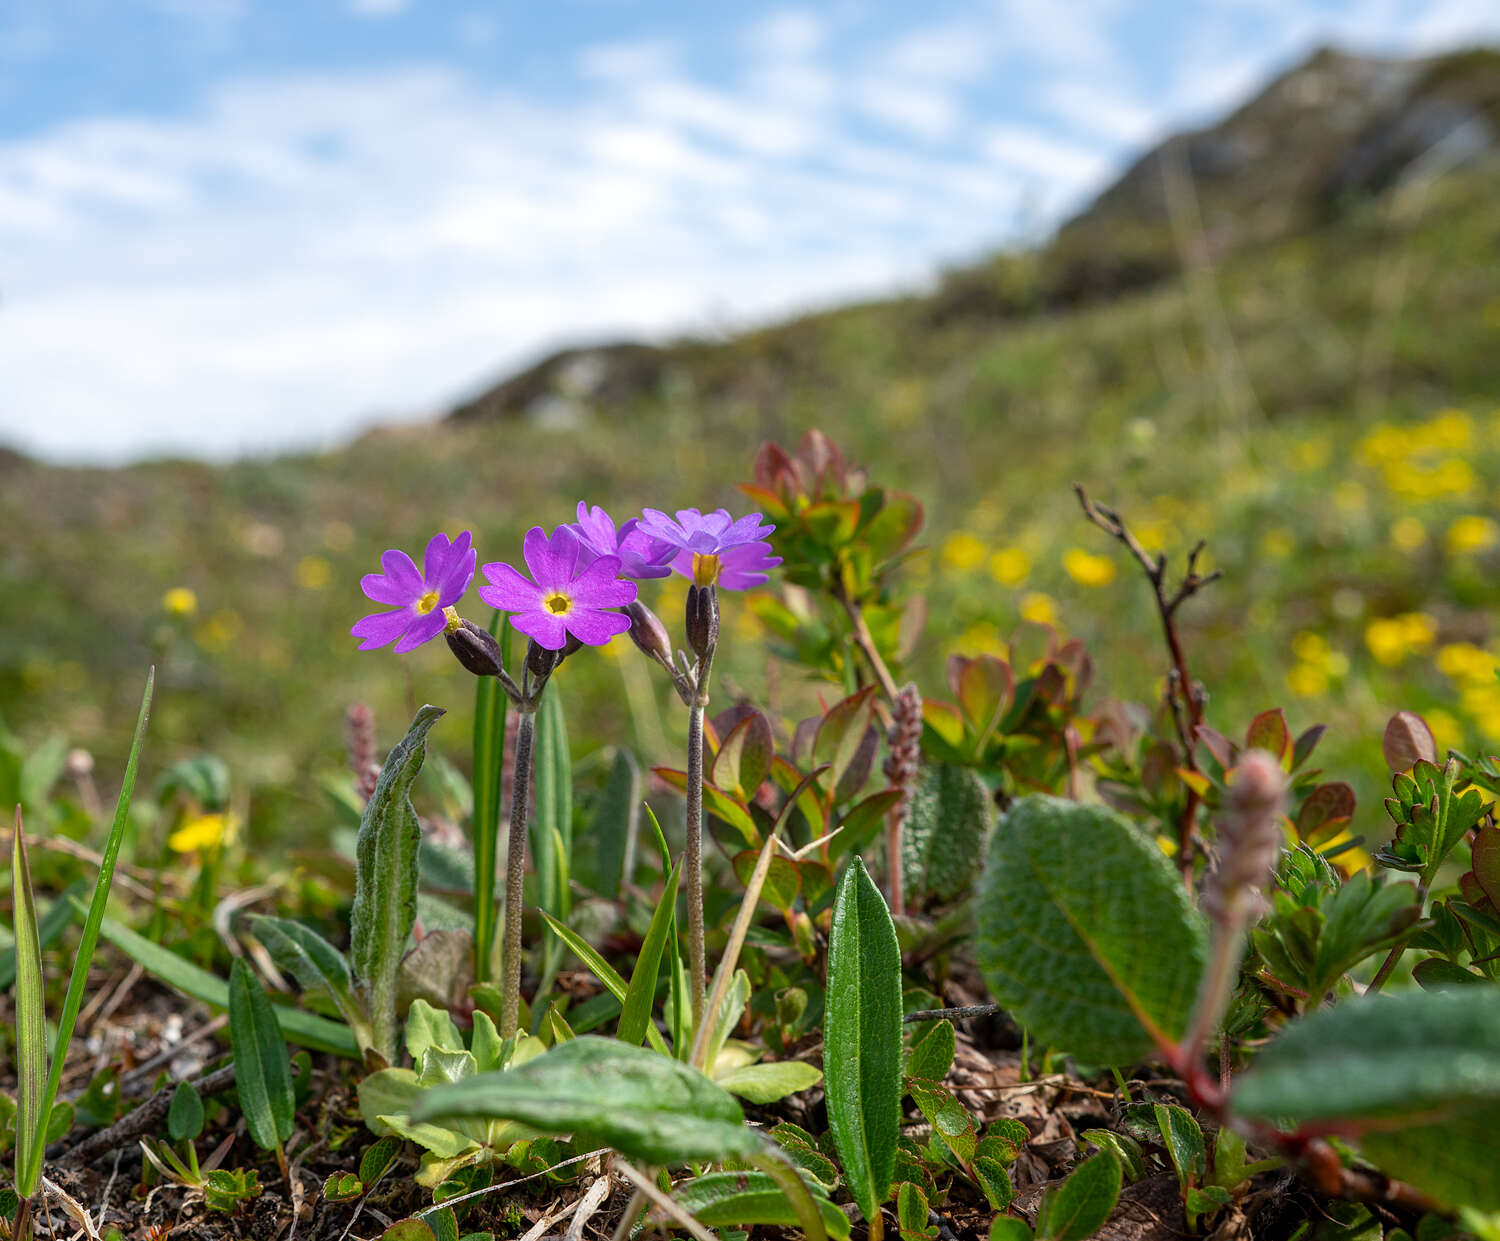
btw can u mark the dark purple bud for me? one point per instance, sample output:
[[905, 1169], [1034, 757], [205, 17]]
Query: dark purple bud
[[702, 619], [540, 661], [476, 649], [648, 633]]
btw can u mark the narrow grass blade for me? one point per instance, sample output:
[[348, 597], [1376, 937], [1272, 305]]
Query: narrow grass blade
[[490, 703], [73, 1001], [862, 1038], [48, 927], [635, 1015], [603, 971], [552, 782], [31, 1022], [262, 1071], [305, 1029]]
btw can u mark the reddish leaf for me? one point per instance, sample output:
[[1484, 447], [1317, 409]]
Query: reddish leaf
[[1303, 747], [768, 502], [985, 687], [1487, 863], [1407, 741], [783, 880], [1220, 746], [1327, 801], [1073, 658], [862, 821], [1031, 644], [913, 621], [744, 759], [773, 466], [1470, 889], [841, 731], [944, 720], [1268, 732], [858, 772], [833, 521]]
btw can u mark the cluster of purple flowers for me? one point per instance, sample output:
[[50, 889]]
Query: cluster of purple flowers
[[579, 575]]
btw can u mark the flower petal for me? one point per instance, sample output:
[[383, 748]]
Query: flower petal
[[657, 524], [457, 574], [548, 630], [600, 586], [435, 558], [423, 629], [508, 590], [747, 565], [402, 572], [534, 549], [594, 627], [381, 589], [379, 628]]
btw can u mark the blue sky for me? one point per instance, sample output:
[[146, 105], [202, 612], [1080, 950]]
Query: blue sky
[[234, 226]]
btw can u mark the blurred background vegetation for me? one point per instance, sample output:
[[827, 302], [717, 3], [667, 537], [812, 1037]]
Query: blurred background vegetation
[[1280, 334]]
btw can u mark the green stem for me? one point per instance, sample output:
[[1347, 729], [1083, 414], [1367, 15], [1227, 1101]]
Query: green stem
[[515, 872], [693, 855], [489, 761]]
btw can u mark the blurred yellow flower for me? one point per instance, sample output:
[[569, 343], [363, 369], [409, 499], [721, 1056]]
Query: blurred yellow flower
[[962, 550], [1087, 569], [1010, 566], [1408, 533], [219, 630], [1451, 430], [1313, 453], [1309, 646], [179, 601], [200, 834], [1154, 535], [1447, 732], [1307, 680], [1465, 662], [982, 638], [1278, 543], [314, 573], [1391, 639], [1482, 705], [1038, 607], [1472, 533]]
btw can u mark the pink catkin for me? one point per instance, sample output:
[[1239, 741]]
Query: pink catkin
[[901, 768], [360, 724]]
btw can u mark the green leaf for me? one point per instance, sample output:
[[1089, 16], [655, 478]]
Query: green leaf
[[643, 1104], [994, 1181], [765, 1083], [1183, 1139], [1009, 1228], [737, 1199], [911, 1213], [412, 1229], [1125, 1149], [744, 757], [315, 963], [426, 1027], [862, 1037], [204, 778], [943, 840], [49, 926], [306, 1029], [948, 1119], [1085, 932], [379, 1159], [31, 1019], [1082, 1204], [932, 1054], [635, 1010], [490, 703], [262, 1070], [615, 823], [385, 885], [185, 1115], [1416, 1076], [603, 971], [783, 879], [28, 1175], [342, 1186], [552, 825]]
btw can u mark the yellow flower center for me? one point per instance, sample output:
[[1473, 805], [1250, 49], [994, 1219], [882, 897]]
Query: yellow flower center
[[427, 602], [558, 603], [705, 569]]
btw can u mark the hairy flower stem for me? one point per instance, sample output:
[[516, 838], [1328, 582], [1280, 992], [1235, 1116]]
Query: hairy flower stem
[[515, 872], [693, 853]]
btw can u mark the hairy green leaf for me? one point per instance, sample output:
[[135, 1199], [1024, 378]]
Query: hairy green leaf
[[1085, 933], [765, 1083], [862, 1037], [943, 840], [315, 963], [737, 1199], [385, 885]]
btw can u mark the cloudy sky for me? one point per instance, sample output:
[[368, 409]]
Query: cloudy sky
[[233, 226]]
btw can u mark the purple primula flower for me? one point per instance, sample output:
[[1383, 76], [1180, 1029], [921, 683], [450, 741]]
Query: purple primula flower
[[568, 596], [641, 556], [712, 548], [447, 570]]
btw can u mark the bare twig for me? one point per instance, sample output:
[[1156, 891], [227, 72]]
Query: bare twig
[[954, 1014], [1155, 568], [143, 1119]]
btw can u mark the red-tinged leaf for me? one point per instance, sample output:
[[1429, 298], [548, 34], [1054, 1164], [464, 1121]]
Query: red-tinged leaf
[[817, 880], [857, 773], [894, 526], [1031, 645], [783, 880], [832, 522], [773, 464], [1076, 665], [913, 622], [744, 759], [1194, 780], [944, 720], [954, 670], [1220, 746], [1303, 747], [768, 502], [1268, 732], [733, 811], [1407, 741], [1158, 770], [862, 821], [671, 777], [841, 731], [1328, 830], [1326, 802], [985, 687], [1487, 863]]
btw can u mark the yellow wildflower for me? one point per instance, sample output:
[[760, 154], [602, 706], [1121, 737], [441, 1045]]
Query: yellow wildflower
[[1472, 533], [314, 573], [1010, 566], [1465, 662], [1307, 680], [1087, 569], [962, 550], [200, 834], [1447, 732], [179, 601], [1391, 639], [1035, 606]]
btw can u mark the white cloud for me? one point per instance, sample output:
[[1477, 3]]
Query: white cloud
[[378, 8], [1096, 109], [1032, 153], [787, 35], [641, 60], [921, 110]]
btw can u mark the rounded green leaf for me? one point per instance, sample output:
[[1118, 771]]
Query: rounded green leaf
[[1085, 933]]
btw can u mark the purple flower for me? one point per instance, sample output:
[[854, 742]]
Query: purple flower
[[569, 595], [640, 556], [447, 570], [713, 548]]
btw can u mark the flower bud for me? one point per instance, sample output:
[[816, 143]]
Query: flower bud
[[540, 661], [702, 619], [648, 632], [1249, 830], [476, 649]]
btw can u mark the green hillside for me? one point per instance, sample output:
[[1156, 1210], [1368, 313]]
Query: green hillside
[[1322, 407]]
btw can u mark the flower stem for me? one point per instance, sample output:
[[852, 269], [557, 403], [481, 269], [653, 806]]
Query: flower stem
[[515, 872], [693, 853]]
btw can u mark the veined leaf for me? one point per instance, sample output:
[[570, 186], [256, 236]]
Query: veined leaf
[[31, 1019], [314, 962], [862, 1037], [262, 1071], [552, 828], [1085, 933], [944, 837], [490, 703], [737, 1199], [385, 890], [49, 926], [645, 1105], [1082, 1203]]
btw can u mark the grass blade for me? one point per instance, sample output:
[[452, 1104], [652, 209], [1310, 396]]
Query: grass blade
[[635, 1013], [490, 703], [31, 1021], [73, 1001], [262, 1071], [862, 1039], [552, 829], [48, 927], [603, 971]]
